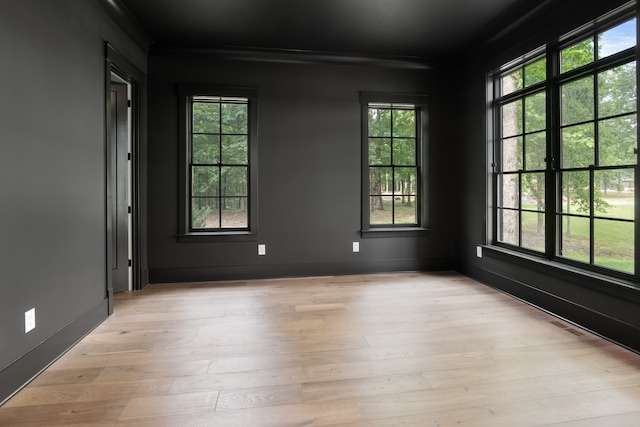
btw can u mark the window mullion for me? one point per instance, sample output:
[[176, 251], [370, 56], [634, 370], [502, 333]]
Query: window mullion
[[591, 214], [220, 166], [553, 184], [393, 172]]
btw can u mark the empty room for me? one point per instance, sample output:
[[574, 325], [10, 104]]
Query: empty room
[[331, 213]]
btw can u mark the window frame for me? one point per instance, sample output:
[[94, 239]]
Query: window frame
[[553, 169], [186, 93], [421, 103]]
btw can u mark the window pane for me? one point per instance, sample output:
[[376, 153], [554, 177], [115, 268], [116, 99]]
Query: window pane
[[575, 192], [578, 146], [380, 180], [535, 114], [577, 101], [512, 154], [617, 90], [508, 226], [577, 55], [380, 210], [533, 230], [614, 245], [618, 141], [535, 151], [404, 123], [617, 39], [234, 212], [512, 119], [204, 213], [379, 122], [405, 179], [510, 194], [234, 181], [234, 118], [533, 191], [615, 193], [536, 72], [204, 181], [512, 82], [235, 150], [404, 151], [575, 238], [205, 117], [405, 210], [379, 151], [205, 149]]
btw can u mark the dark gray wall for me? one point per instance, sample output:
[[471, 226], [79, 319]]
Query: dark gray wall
[[607, 307], [52, 177], [309, 158]]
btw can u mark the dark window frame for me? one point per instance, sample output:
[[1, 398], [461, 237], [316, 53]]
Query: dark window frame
[[421, 103], [556, 78], [186, 233]]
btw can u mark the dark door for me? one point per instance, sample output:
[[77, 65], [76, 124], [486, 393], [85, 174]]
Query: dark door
[[119, 184]]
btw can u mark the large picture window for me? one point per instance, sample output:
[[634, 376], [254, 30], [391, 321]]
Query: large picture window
[[566, 146], [219, 160], [394, 134]]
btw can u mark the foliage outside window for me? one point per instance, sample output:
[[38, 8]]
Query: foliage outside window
[[219, 163], [565, 158], [394, 152], [218, 191]]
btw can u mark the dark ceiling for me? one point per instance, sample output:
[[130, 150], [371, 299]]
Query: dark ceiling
[[414, 28]]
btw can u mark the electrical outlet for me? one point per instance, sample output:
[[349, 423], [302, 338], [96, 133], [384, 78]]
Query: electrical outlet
[[29, 320], [479, 251], [262, 249], [356, 246]]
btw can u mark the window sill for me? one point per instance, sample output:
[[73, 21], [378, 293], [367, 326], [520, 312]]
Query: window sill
[[596, 280], [394, 232], [218, 237]]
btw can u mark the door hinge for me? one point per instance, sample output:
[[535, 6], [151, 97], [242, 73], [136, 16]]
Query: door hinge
[[128, 209], [129, 103], [128, 156], [130, 263]]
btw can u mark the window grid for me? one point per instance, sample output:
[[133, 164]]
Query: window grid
[[521, 166], [218, 164], [388, 180], [590, 174], [580, 166]]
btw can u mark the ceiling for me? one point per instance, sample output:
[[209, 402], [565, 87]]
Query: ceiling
[[398, 28]]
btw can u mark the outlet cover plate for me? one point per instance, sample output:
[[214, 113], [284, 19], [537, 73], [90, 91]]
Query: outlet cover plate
[[262, 250], [356, 246], [29, 320]]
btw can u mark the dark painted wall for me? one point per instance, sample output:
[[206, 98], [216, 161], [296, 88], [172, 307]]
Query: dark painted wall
[[609, 308], [52, 179], [309, 171]]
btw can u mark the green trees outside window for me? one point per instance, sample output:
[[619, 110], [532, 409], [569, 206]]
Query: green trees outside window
[[393, 165], [219, 163], [565, 159]]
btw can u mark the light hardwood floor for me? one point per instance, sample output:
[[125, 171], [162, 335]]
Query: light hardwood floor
[[405, 349]]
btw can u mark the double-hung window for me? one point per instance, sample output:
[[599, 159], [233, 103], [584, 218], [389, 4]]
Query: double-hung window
[[565, 149], [394, 153], [218, 157]]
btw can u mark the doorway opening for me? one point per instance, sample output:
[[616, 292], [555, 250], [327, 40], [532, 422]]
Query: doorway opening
[[121, 190], [125, 169]]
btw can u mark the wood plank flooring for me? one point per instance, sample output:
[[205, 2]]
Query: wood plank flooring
[[402, 349]]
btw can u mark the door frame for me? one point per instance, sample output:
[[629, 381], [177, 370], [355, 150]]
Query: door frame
[[119, 65]]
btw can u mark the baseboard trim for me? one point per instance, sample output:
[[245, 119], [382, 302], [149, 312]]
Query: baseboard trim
[[598, 323], [17, 375], [268, 271]]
